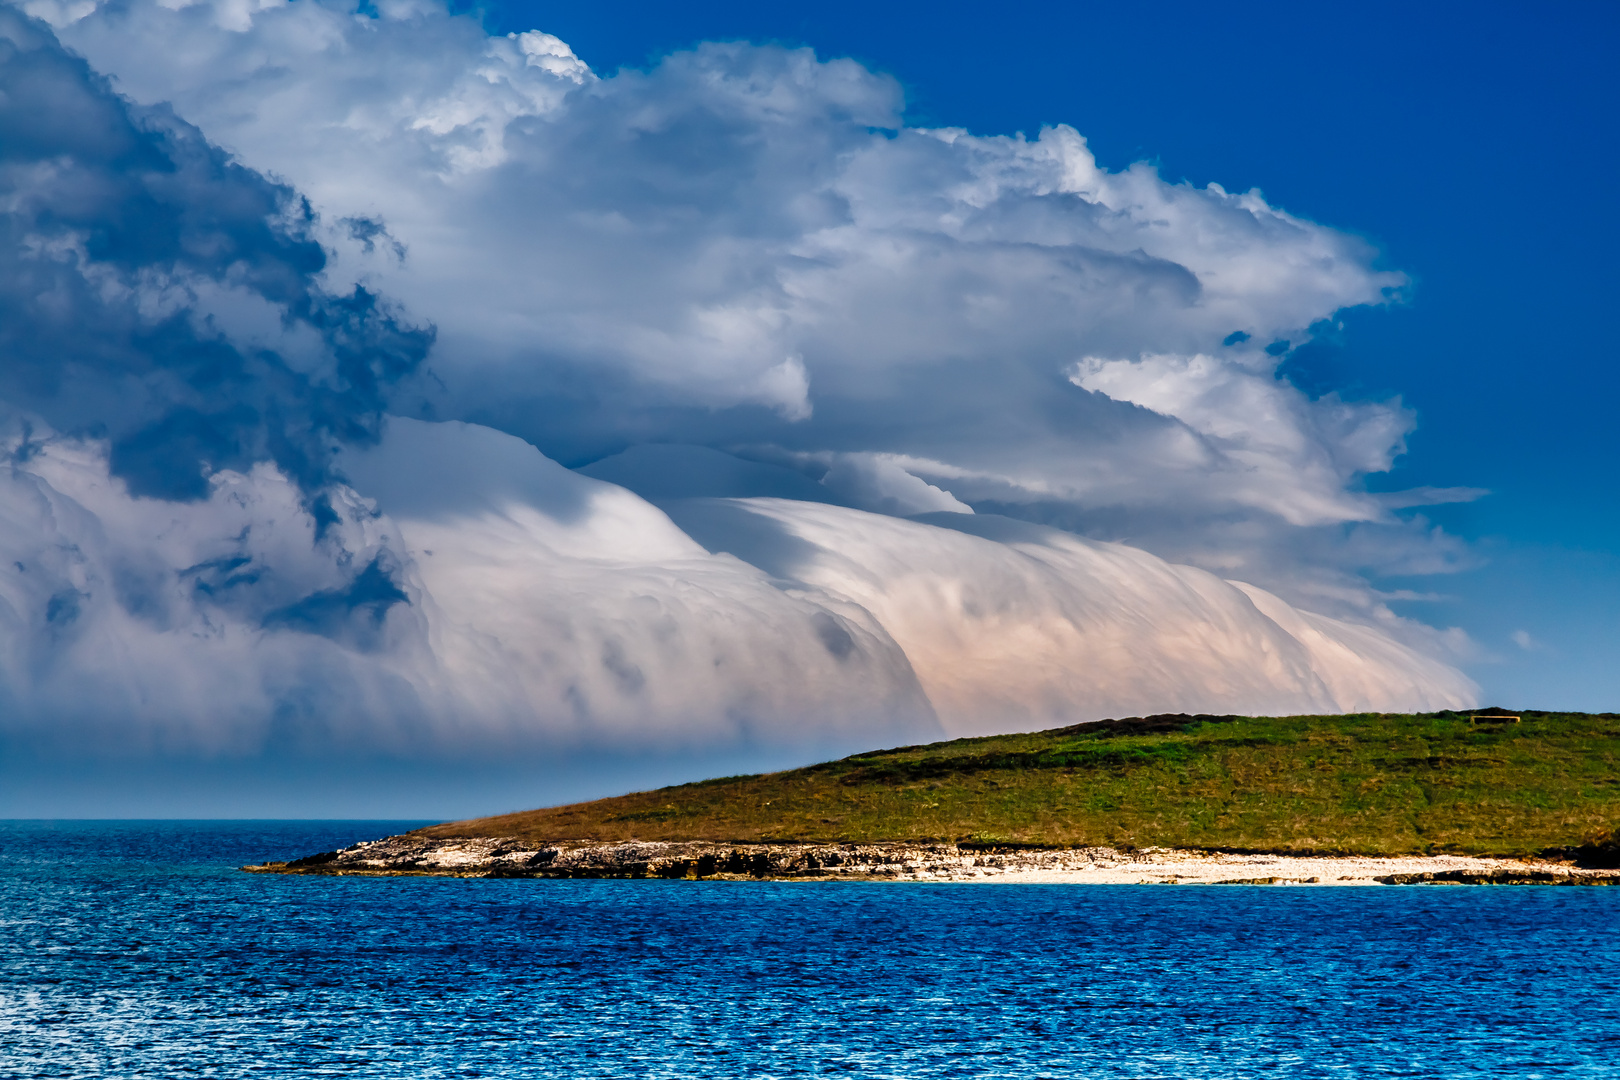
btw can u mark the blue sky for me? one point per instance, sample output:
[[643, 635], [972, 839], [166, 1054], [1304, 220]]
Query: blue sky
[[1474, 143], [519, 405]]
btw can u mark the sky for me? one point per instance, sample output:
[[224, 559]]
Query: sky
[[436, 413]]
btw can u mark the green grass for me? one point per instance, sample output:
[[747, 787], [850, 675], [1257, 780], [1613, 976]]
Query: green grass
[[1361, 784]]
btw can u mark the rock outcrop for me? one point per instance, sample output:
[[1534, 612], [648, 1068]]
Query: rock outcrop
[[514, 857]]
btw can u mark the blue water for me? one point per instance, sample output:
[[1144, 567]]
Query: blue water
[[136, 949]]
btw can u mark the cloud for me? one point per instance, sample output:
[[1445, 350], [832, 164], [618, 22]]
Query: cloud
[[1015, 627], [158, 294], [288, 396], [176, 382], [1429, 496], [481, 597], [575, 609], [745, 248]]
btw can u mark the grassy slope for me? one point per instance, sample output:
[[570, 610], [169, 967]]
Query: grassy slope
[[1373, 784]]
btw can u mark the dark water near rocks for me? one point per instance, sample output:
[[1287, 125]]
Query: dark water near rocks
[[135, 949]]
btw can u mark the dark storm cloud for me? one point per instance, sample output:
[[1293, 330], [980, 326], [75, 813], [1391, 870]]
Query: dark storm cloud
[[122, 227]]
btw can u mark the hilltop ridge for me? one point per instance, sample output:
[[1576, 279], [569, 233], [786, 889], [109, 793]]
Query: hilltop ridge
[[1359, 784]]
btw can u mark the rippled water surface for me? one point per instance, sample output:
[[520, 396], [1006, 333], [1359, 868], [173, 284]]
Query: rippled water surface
[[136, 949]]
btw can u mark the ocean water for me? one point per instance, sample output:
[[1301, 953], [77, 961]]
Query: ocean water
[[136, 949]]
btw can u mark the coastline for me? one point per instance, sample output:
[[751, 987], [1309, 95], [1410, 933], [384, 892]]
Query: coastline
[[512, 857]]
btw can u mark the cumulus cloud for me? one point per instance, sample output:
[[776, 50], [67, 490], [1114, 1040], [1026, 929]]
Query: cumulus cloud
[[808, 363], [746, 248]]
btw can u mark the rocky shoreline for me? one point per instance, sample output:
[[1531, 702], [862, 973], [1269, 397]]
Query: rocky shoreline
[[513, 857]]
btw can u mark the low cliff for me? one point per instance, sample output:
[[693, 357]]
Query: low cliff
[[510, 857]]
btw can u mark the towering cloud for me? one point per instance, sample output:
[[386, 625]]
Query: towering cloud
[[808, 362], [745, 248]]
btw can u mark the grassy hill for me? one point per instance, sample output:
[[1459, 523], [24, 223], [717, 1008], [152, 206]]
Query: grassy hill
[[1360, 784]]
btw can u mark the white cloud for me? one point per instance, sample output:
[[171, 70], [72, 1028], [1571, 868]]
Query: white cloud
[[876, 482], [618, 260], [527, 606], [1014, 627], [735, 275], [786, 387], [139, 624], [571, 607], [1284, 453], [615, 260]]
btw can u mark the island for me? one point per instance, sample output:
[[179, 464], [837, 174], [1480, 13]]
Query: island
[[1446, 797]]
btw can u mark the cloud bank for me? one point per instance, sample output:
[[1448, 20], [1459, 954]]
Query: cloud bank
[[810, 368]]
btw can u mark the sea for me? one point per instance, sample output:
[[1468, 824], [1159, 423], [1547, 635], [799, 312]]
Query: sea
[[139, 949]]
